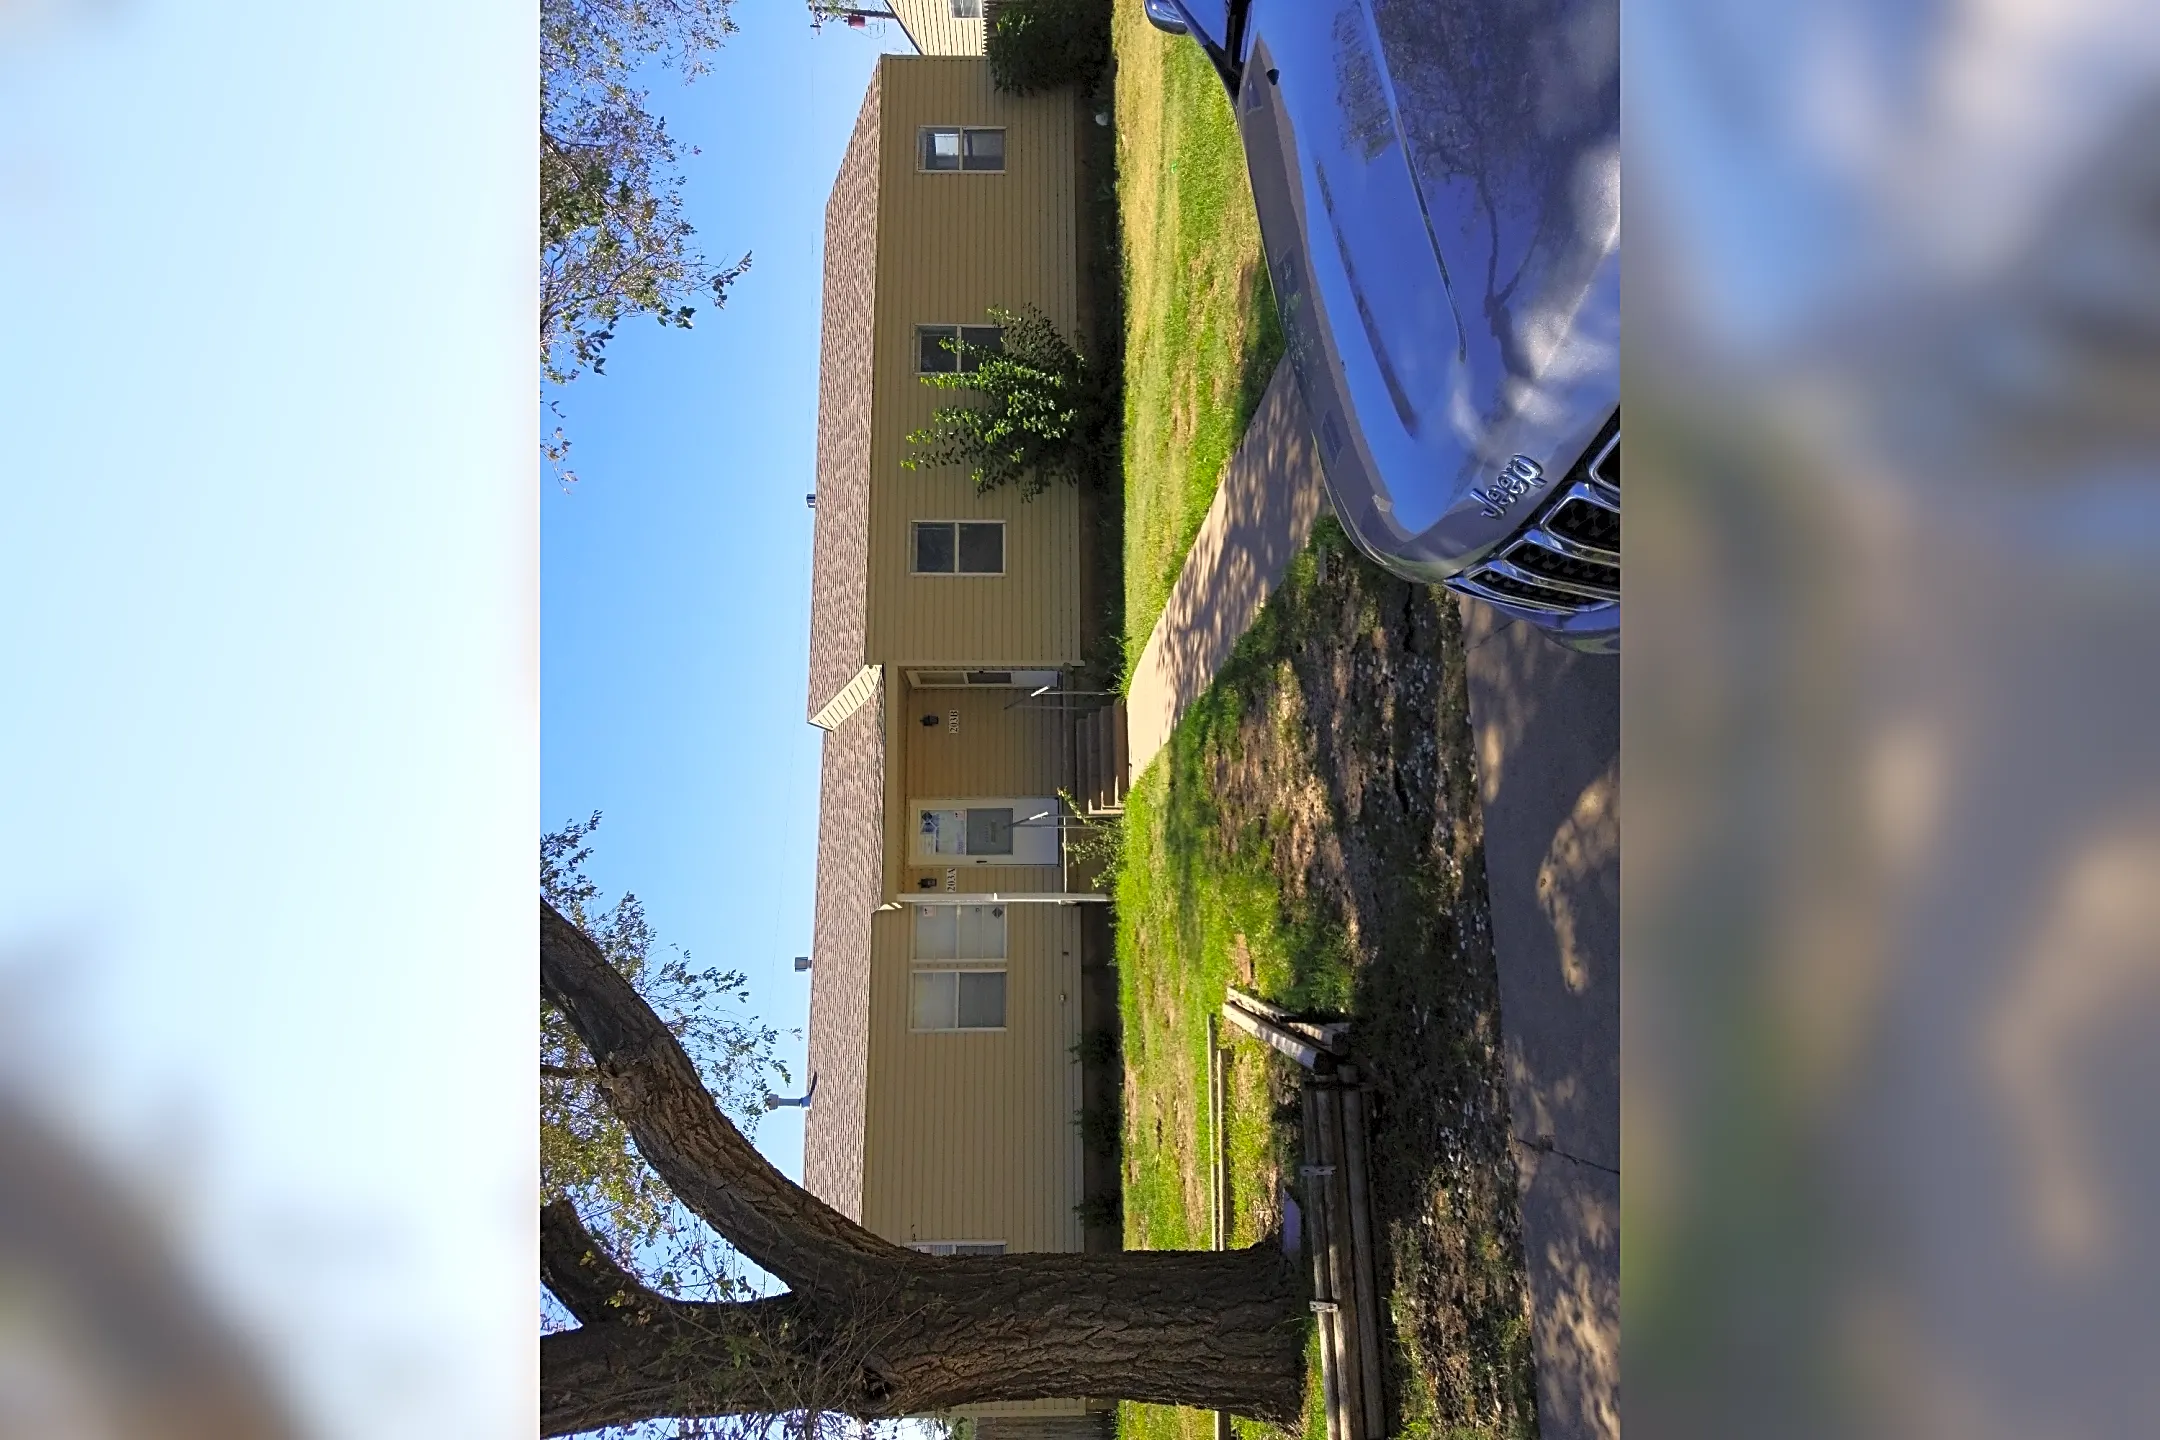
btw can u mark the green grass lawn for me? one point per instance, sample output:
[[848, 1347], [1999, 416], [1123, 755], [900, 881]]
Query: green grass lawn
[[1195, 915], [1201, 334], [1311, 833]]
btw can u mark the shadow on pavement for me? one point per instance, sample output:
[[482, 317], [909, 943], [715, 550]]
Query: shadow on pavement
[[1546, 723]]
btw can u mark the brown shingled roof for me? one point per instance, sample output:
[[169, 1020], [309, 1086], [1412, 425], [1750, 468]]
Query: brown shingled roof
[[850, 872], [840, 558], [851, 835]]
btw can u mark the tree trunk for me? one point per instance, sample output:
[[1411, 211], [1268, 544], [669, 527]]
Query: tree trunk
[[1212, 1330], [869, 1327]]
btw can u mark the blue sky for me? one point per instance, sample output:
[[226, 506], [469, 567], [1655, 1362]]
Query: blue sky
[[272, 676], [675, 574], [269, 736]]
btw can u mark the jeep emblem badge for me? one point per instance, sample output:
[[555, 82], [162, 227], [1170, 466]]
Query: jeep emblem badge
[[1521, 476]]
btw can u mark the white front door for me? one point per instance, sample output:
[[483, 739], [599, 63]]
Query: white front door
[[989, 831]]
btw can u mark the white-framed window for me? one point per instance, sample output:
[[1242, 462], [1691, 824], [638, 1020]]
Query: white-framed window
[[955, 349], [963, 147], [958, 1247], [959, 547], [954, 998], [959, 933], [958, 979]]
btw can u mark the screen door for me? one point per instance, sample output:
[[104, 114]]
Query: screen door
[[997, 831]]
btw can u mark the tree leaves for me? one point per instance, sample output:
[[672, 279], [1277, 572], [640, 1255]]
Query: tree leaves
[[1045, 416], [586, 1154], [613, 240], [1038, 45]]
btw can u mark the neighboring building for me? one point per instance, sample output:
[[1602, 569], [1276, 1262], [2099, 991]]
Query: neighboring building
[[942, 27], [946, 628]]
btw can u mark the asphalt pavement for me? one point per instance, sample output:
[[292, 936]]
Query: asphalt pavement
[[1546, 725]]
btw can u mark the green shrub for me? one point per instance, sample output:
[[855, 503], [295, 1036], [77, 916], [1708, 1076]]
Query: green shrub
[[1098, 840], [1100, 1212], [1102, 1130], [1045, 414], [1038, 45], [1095, 1047]]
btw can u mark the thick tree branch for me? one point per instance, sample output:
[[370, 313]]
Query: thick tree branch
[[579, 1271], [655, 1091], [757, 1357]]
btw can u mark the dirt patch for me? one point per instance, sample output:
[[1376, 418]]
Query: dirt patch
[[1349, 765], [1241, 961]]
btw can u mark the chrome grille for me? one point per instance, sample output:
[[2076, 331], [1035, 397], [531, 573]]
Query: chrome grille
[[1587, 523], [1569, 557], [1603, 465], [1536, 555]]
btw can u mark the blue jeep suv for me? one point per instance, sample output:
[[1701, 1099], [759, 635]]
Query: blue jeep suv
[[1438, 184]]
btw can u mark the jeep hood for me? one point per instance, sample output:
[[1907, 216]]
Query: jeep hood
[[1443, 223]]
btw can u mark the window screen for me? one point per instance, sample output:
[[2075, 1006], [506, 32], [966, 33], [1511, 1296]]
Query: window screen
[[982, 999], [989, 832], [937, 932], [932, 354], [982, 549], [937, 1001], [959, 932], [967, 9], [958, 1000], [983, 150], [959, 547], [934, 549]]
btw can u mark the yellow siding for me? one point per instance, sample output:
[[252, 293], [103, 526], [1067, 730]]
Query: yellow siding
[[897, 717], [972, 1136], [1004, 745], [997, 751], [934, 29], [951, 245]]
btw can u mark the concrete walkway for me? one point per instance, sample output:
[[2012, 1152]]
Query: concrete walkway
[[1263, 512], [1546, 724]]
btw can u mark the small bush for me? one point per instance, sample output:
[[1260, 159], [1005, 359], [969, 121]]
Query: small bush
[[1097, 840], [1095, 1047], [1102, 1130], [1045, 416], [1038, 45], [1100, 1212]]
